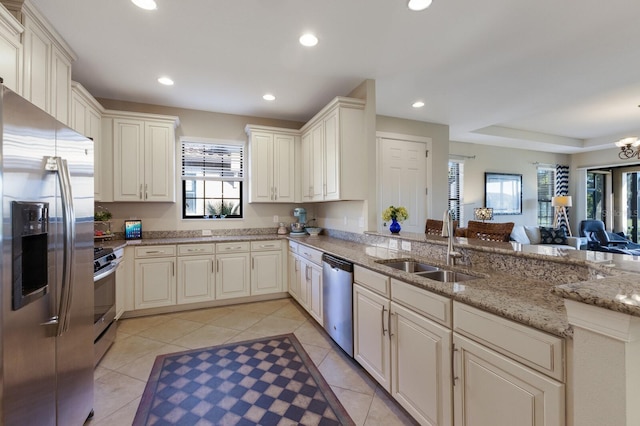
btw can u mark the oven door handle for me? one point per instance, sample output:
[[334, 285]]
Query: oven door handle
[[104, 273]]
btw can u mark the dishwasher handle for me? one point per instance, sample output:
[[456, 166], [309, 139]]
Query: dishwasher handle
[[337, 263]]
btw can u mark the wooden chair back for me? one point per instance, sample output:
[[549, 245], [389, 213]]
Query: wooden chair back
[[434, 227], [489, 231]]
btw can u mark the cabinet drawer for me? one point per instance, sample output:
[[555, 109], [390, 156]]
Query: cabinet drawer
[[266, 245], [433, 306], [308, 253], [232, 247], [372, 280], [196, 249], [293, 247], [536, 349], [155, 251]]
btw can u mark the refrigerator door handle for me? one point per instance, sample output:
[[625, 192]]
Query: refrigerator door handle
[[60, 167]]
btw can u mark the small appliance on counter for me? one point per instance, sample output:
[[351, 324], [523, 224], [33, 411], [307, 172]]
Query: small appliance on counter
[[297, 228], [282, 230]]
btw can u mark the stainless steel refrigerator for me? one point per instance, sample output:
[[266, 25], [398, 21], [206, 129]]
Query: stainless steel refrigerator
[[46, 332]]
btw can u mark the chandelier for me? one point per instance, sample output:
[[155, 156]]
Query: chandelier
[[628, 148]]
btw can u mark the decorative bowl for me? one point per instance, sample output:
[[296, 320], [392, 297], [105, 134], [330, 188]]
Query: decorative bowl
[[313, 231]]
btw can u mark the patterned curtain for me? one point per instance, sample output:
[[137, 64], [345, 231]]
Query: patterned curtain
[[562, 188]]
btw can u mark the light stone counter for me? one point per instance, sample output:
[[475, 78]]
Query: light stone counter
[[526, 284]]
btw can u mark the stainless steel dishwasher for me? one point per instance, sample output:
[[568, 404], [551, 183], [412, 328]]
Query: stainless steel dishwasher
[[337, 298]]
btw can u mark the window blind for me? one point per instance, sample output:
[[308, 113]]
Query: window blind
[[212, 161]]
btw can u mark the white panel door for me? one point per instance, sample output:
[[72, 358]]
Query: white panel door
[[261, 183], [284, 168], [403, 180], [155, 282], [128, 159]]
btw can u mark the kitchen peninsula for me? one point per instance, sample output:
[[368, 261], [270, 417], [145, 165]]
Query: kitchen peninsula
[[520, 291]]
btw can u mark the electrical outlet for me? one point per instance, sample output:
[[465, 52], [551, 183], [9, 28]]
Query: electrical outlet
[[206, 232], [393, 244], [276, 219], [406, 245]]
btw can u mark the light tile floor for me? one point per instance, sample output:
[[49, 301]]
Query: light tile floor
[[121, 376]]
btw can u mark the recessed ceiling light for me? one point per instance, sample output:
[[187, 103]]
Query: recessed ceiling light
[[166, 81], [418, 104], [145, 4], [418, 5], [308, 40], [269, 97]]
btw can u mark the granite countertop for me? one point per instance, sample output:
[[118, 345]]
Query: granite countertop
[[530, 301], [527, 301]]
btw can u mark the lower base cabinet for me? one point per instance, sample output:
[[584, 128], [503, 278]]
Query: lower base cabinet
[[155, 282], [196, 279], [491, 389], [232, 275], [420, 366], [371, 343]]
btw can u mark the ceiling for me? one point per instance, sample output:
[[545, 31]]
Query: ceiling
[[558, 76]]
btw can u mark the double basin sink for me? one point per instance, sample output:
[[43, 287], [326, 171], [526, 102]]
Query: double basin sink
[[428, 271]]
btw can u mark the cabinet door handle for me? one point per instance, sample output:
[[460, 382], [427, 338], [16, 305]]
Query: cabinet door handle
[[252, 263], [271, 197], [173, 269], [454, 376], [217, 266], [195, 250], [384, 330], [275, 194], [146, 191], [306, 272], [153, 251], [267, 245], [141, 191], [234, 248], [212, 268]]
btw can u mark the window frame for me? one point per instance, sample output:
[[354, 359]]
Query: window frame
[[240, 177], [544, 205], [455, 189]]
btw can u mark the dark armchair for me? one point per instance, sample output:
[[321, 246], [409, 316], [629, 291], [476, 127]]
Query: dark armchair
[[599, 239]]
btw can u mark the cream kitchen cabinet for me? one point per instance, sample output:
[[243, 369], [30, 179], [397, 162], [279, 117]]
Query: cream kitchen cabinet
[[155, 276], [196, 273], [332, 147], [272, 154], [143, 156], [46, 68], [402, 346], [10, 50], [267, 265], [420, 366], [500, 363], [233, 270], [310, 296], [295, 280], [86, 119], [371, 343]]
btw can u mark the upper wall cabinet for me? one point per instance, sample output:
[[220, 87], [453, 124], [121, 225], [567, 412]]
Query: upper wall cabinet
[[86, 119], [46, 69], [10, 50], [332, 147], [143, 155], [272, 171]]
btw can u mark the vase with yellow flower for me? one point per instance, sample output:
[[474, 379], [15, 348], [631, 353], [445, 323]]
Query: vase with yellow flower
[[395, 215]]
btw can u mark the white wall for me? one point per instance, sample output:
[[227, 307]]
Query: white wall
[[502, 160]]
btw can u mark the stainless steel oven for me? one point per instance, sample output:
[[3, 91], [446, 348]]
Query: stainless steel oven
[[104, 296]]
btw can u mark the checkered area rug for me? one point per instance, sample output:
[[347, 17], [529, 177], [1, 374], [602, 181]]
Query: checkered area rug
[[268, 381]]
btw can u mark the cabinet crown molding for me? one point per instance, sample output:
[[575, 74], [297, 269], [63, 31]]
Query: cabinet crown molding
[[109, 113], [28, 9], [338, 101], [10, 23], [256, 128], [80, 90]]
